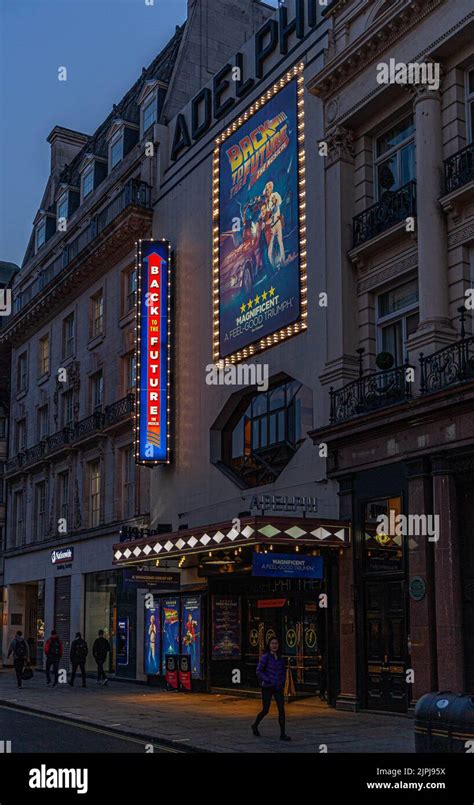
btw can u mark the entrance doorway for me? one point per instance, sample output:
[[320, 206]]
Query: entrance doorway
[[383, 611], [386, 642]]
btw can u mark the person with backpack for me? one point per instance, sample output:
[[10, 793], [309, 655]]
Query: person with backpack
[[271, 674], [21, 655], [54, 651], [100, 649], [78, 654]]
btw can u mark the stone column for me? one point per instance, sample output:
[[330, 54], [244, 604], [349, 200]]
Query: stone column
[[347, 699], [341, 286], [449, 632], [435, 329], [422, 613]]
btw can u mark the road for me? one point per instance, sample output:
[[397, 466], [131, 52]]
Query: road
[[35, 732]]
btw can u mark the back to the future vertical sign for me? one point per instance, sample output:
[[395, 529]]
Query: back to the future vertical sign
[[153, 352]]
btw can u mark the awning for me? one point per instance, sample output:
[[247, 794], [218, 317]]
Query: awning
[[317, 533]]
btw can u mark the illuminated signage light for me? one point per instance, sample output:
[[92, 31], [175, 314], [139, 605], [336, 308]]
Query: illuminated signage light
[[300, 325], [153, 352]]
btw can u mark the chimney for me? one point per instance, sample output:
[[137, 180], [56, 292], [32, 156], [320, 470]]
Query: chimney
[[65, 144]]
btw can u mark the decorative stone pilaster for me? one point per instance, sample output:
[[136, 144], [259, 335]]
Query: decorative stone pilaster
[[341, 287]]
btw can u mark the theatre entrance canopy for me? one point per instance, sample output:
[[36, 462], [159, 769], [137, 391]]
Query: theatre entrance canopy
[[224, 541]]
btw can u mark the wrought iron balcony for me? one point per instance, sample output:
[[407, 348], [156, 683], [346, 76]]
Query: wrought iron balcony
[[89, 425], [370, 393], [459, 169], [135, 192], [450, 365], [59, 439], [119, 410], [393, 207], [34, 454]]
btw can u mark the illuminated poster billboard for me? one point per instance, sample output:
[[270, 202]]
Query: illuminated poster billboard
[[170, 627], [259, 224], [191, 632], [152, 652], [153, 358]]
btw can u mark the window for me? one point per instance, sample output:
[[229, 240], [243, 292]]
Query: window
[[116, 150], [131, 290], [470, 106], [44, 355], [128, 482], [2, 484], [3, 427], [62, 209], [42, 424], [395, 157], [149, 113], [68, 336], [40, 235], [20, 435], [22, 372], [262, 436], [67, 410], [94, 480], [87, 181], [131, 374], [18, 518], [63, 494], [39, 523], [383, 552], [97, 387], [97, 314], [397, 319]]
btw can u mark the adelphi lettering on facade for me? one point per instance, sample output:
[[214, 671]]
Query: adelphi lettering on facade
[[208, 105]]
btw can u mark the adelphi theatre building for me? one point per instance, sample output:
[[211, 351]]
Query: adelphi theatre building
[[280, 296], [230, 345]]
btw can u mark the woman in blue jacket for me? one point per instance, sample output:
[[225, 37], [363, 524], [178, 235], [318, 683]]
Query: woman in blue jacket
[[271, 673]]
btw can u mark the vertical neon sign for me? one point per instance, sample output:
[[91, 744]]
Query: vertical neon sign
[[153, 352]]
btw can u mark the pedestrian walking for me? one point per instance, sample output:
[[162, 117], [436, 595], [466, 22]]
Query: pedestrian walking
[[271, 674], [100, 649], [78, 654], [54, 651], [21, 655]]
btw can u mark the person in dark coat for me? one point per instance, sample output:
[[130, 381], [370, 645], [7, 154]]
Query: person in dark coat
[[54, 651], [78, 654], [100, 649], [21, 654], [271, 673]]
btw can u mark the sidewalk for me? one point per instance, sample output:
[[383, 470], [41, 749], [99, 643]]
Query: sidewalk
[[216, 723]]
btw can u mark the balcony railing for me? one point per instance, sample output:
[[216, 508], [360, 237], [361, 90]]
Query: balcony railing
[[59, 439], [393, 207], [134, 192], [97, 421], [449, 365], [89, 425], [459, 169], [118, 410], [370, 393]]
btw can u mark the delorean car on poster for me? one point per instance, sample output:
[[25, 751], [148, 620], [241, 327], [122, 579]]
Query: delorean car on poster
[[259, 268]]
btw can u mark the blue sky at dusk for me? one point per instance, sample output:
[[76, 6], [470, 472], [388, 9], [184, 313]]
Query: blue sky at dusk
[[104, 44]]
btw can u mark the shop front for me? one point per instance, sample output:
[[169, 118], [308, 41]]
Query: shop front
[[239, 588]]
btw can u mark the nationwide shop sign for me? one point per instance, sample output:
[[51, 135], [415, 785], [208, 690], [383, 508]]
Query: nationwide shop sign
[[153, 364], [191, 632], [170, 628], [287, 566], [62, 555], [259, 223], [226, 627], [152, 641]]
